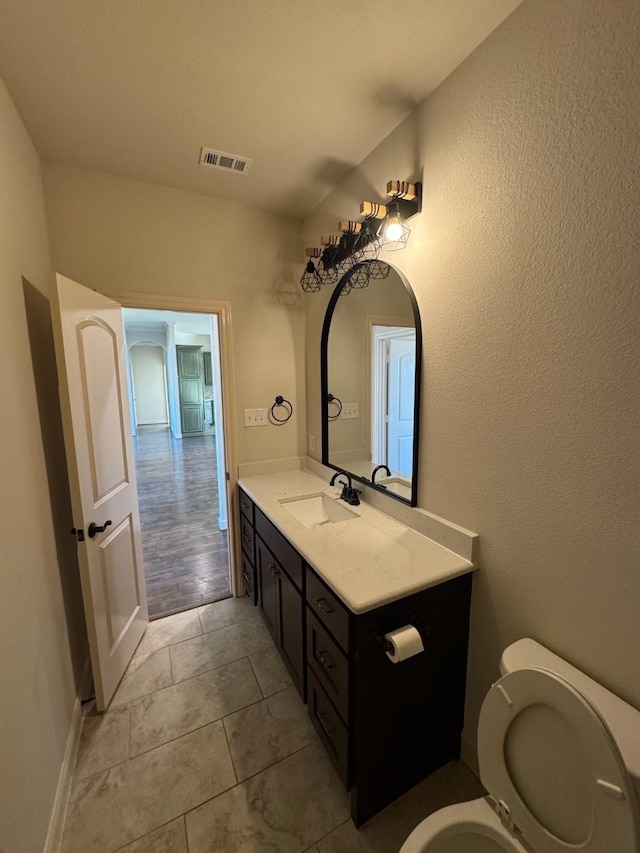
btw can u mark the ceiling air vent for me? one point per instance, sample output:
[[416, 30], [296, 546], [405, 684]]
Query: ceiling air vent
[[228, 162]]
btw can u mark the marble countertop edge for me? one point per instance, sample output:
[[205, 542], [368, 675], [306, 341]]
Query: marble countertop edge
[[367, 561]]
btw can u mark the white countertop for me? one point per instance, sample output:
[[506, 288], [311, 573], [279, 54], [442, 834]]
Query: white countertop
[[367, 561]]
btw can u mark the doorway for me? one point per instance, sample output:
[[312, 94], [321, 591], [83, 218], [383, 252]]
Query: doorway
[[177, 424]]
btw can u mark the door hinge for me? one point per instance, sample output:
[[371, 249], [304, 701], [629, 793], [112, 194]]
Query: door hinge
[[226, 473], [78, 532]]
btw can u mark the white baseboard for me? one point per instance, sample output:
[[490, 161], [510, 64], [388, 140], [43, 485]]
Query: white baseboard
[[61, 800]]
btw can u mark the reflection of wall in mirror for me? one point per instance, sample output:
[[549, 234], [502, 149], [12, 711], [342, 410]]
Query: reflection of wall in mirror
[[349, 365]]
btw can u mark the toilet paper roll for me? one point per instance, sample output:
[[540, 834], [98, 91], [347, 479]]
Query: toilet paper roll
[[405, 642]]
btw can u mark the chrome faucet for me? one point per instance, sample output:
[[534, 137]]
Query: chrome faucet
[[375, 471], [349, 494]]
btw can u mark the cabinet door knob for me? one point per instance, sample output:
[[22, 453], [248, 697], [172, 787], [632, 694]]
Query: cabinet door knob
[[323, 607], [322, 660], [328, 731]]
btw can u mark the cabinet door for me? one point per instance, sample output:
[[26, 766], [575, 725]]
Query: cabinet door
[[291, 640], [268, 588]]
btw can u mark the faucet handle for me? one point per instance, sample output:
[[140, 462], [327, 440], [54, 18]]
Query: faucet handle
[[352, 497]]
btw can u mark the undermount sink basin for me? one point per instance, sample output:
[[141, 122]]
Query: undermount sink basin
[[317, 509]]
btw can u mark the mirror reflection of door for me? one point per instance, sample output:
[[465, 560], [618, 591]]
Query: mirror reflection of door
[[393, 350], [402, 365]]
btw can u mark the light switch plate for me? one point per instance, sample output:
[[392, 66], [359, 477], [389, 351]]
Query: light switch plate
[[255, 417], [349, 410]]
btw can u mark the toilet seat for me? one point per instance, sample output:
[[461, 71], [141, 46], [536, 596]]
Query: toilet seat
[[465, 822], [552, 767]]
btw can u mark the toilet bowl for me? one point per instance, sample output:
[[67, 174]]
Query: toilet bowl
[[560, 757]]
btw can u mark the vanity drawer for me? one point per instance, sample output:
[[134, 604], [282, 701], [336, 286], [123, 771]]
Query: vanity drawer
[[248, 538], [329, 664], [249, 577], [246, 506], [285, 553], [331, 730], [328, 608]]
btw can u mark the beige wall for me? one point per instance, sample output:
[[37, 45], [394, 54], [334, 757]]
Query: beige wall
[[116, 234], [525, 263], [37, 680]]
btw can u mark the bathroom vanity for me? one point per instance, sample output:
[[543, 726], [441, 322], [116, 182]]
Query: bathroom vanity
[[328, 592]]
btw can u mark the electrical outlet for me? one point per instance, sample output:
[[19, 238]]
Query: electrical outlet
[[349, 410], [255, 417], [312, 442]]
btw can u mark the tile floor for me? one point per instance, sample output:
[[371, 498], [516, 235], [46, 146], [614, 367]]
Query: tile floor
[[207, 747]]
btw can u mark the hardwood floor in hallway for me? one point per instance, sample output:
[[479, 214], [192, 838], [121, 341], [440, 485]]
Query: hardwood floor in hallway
[[186, 555]]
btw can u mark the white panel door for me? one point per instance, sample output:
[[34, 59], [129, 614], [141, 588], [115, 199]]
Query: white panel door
[[402, 373], [95, 409]]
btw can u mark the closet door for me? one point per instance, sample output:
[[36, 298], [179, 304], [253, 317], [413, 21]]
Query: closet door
[[191, 390]]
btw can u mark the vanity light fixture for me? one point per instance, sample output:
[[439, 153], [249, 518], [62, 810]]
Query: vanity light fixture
[[311, 280], [361, 242], [378, 269], [359, 278], [367, 244], [329, 270], [406, 201]]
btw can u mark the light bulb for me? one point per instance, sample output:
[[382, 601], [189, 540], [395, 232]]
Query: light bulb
[[393, 228]]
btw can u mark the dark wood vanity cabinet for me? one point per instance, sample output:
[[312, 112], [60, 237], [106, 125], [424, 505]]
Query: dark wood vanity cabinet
[[278, 578], [247, 542], [386, 726]]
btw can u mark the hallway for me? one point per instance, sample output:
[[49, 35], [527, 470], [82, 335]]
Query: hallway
[[185, 553]]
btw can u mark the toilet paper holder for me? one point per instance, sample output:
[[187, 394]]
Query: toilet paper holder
[[418, 623]]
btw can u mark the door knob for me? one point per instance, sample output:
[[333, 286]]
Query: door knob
[[94, 529]]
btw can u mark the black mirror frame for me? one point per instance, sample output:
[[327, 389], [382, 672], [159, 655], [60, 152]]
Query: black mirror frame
[[324, 388]]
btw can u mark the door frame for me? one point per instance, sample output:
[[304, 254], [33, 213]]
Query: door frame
[[223, 312]]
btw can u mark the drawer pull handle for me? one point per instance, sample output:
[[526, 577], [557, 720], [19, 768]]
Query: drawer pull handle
[[246, 578], [246, 538], [327, 730], [274, 570], [322, 660], [323, 607], [244, 505]]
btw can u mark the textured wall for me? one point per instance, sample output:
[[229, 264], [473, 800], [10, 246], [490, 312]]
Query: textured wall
[[123, 235], [37, 687], [525, 262]]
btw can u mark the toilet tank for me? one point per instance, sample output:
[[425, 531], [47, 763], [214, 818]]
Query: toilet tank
[[622, 720]]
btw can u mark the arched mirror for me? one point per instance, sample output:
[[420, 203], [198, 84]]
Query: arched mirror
[[371, 354]]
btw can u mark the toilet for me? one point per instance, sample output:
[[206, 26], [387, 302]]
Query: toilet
[[560, 757]]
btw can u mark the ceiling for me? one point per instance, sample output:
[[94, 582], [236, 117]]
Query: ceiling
[[306, 89]]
